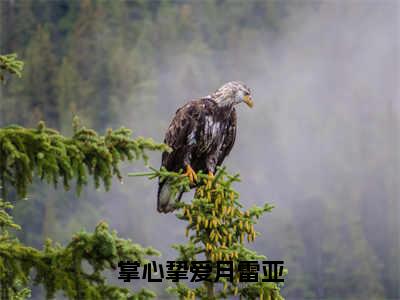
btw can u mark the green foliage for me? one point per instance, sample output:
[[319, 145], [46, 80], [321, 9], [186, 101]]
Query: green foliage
[[60, 268], [53, 156], [217, 228], [6, 221], [10, 64]]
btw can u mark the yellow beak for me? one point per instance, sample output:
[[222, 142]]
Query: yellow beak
[[247, 99]]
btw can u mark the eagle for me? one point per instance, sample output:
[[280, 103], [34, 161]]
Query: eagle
[[201, 135]]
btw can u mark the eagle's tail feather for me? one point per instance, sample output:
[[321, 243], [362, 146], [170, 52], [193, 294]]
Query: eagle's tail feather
[[165, 197]]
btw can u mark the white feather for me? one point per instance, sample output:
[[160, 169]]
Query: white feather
[[192, 138]]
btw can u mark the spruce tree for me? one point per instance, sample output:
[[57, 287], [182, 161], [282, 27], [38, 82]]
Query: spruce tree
[[44, 153], [217, 228]]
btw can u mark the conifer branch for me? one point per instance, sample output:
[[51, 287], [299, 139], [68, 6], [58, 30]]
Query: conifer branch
[[60, 268], [52, 156], [10, 64]]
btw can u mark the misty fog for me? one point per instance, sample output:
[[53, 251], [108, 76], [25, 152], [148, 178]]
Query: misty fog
[[321, 142], [324, 129]]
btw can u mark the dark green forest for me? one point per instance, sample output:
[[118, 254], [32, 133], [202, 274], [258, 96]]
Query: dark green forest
[[321, 144]]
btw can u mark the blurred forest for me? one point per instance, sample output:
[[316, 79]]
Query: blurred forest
[[322, 142]]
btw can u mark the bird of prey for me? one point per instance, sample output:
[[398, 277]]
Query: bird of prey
[[201, 135]]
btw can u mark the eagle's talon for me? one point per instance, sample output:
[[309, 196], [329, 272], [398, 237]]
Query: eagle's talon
[[191, 174], [210, 179]]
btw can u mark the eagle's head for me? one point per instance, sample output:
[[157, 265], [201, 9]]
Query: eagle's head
[[232, 93]]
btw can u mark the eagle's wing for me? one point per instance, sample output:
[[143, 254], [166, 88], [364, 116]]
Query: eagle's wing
[[181, 135], [229, 138]]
